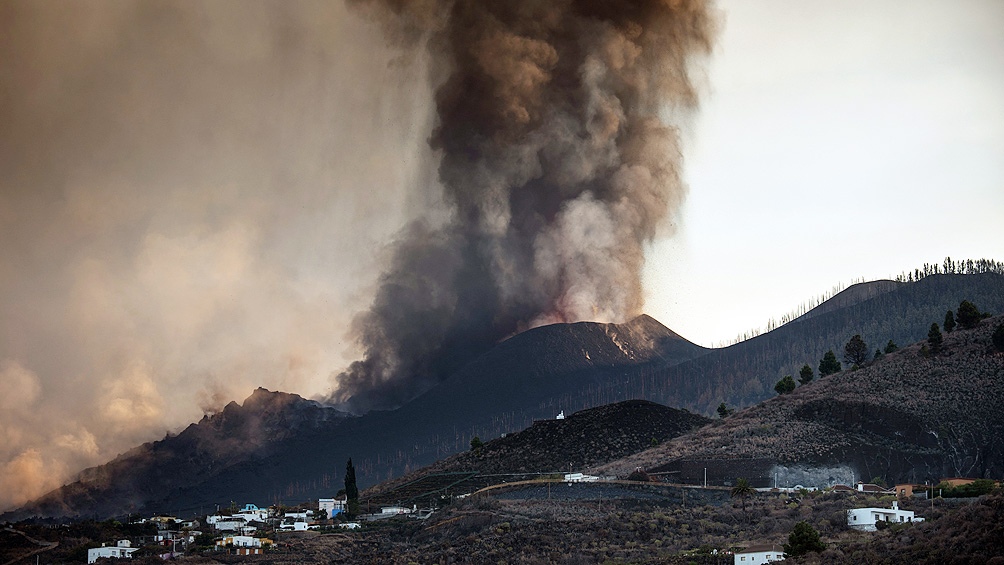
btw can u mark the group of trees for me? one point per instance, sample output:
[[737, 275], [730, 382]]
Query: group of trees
[[856, 354], [856, 351], [950, 267], [968, 316]]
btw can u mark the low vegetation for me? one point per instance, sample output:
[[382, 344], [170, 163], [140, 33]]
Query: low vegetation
[[883, 419]]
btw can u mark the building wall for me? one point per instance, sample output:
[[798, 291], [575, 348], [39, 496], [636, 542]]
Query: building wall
[[866, 518], [757, 557]]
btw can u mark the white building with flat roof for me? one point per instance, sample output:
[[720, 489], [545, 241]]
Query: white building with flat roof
[[866, 518], [122, 550]]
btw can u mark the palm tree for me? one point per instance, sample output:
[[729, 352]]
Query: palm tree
[[742, 490]]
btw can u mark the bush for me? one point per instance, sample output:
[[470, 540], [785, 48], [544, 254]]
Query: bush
[[803, 539], [785, 385]]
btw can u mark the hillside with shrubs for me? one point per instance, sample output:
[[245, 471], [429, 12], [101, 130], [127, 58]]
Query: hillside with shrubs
[[914, 415]]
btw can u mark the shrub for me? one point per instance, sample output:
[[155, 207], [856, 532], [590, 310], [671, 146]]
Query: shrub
[[803, 539], [785, 385]]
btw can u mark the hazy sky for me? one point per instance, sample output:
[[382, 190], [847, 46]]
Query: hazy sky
[[197, 198], [837, 140]]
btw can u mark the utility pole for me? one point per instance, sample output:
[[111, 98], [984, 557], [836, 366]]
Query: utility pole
[[705, 477]]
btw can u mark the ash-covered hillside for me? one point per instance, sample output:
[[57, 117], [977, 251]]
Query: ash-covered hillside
[[586, 438], [912, 415]]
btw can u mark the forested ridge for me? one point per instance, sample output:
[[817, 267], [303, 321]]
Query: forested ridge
[[746, 373]]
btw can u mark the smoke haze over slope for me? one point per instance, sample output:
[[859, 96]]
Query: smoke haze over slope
[[195, 199], [192, 197], [558, 162]]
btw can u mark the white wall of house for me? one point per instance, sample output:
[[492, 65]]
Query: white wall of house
[[331, 505], [866, 518], [96, 553], [231, 525], [750, 557]]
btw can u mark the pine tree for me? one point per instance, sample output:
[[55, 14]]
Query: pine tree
[[829, 365], [891, 346], [968, 316], [949, 324], [805, 375], [856, 351], [724, 411], [934, 338]]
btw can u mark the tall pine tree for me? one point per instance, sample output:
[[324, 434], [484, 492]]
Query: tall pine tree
[[829, 364], [934, 338], [805, 375], [949, 321], [856, 352]]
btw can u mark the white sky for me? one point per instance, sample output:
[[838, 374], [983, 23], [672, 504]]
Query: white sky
[[836, 141]]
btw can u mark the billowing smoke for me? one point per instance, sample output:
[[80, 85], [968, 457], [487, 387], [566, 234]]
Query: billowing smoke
[[190, 199], [559, 159]]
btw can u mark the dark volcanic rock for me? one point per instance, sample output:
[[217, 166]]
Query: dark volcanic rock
[[588, 437]]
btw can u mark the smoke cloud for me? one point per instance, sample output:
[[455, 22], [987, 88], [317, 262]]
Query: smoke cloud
[[195, 199], [190, 199], [559, 158]]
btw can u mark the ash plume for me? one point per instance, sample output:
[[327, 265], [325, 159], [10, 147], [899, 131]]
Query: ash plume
[[559, 158], [189, 198]]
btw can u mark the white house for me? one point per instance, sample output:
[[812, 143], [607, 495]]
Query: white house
[[758, 554], [122, 550], [239, 541], [297, 525], [252, 513], [233, 524], [866, 518], [332, 506]]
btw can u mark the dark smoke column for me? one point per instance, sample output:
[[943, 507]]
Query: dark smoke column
[[558, 164]]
